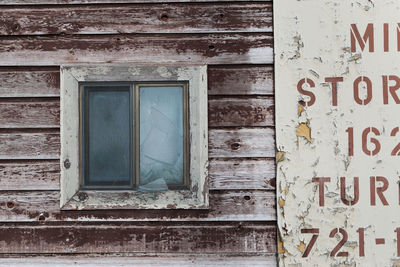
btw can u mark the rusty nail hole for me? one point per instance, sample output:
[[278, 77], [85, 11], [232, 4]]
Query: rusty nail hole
[[164, 17], [10, 205], [41, 217], [118, 39], [82, 196], [301, 102], [235, 146], [221, 15], [67, 164], [211, 47], [246, 197], [239, 227]]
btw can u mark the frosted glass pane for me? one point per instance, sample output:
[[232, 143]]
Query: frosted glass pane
[[161, 137], [108, 137]]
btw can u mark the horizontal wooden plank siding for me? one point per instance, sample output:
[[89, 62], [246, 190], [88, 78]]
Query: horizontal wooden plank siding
[[128, 237], [244, 48], [160, 260], [28, 83], [240, 112], [242, 174], [240, 80], [149, 18], [82, 2], [223, 80], [234, 38], [224, 206], [224, 143], [222, 112], [236, 143], [224, 174]]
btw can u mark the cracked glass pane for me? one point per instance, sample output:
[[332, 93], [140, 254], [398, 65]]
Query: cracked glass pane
[[161, 137], [108, 133]]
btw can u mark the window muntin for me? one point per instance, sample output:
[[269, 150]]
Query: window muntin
[[134, 136]]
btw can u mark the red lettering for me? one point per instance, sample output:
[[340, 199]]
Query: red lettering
[[356, 89], [362, 41], [334, 81], [379, 190], [305, 92], [321, 181], [343, 191]]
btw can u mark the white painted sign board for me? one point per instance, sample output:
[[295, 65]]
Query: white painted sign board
[[337, 85]]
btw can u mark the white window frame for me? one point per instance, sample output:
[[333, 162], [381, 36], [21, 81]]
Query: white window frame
[[75, 198]]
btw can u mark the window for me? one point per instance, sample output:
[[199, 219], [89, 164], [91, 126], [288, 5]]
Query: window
[[133, 137]]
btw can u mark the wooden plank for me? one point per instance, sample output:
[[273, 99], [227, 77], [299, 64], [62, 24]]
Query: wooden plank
[[17, 206], [245, 48], [222, 80], [258, 142], [29, 145], [29, 83], [139, 238], [242, 174], [240, 80], [241, 112], [30, 175], [224, 174], [148, 18], [63, 2], [221, 111], [38, 114], [159, 260], [223, 143]]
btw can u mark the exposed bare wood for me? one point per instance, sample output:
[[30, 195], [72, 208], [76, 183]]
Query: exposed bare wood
[[58, 2], [259, 142], [160, 260], [223, 174], [222, 112], [252, 48], [153, 18], [128, 237], [240, 80], [242, 174], [28, 175], [224, 206], [41, 114], [241, 112], [29, 83], [29, 145], [223, 80]]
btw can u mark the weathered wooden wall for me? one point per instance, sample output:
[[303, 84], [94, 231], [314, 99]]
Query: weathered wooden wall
[[234, 38]]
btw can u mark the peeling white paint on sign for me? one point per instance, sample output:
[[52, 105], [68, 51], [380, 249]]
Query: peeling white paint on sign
[[337, 118]]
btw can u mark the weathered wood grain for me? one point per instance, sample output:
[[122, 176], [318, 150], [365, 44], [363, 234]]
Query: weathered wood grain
[[58, 2], [30, 175], [224, 174], [30, 145], [148, 18], [244, 48], [222, 80], [258, 142], [242, 174], [224, 206], [32, 114], [159, 260], [241, 112], [221, 112], [140, 238], [223, 143], [240, 80], [29, 83]]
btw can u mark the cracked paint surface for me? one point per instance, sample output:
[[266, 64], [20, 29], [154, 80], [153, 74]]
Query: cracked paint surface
[[337, 107]]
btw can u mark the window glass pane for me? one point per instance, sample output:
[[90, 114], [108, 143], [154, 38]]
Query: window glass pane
[[161, 137], [108, 136]]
